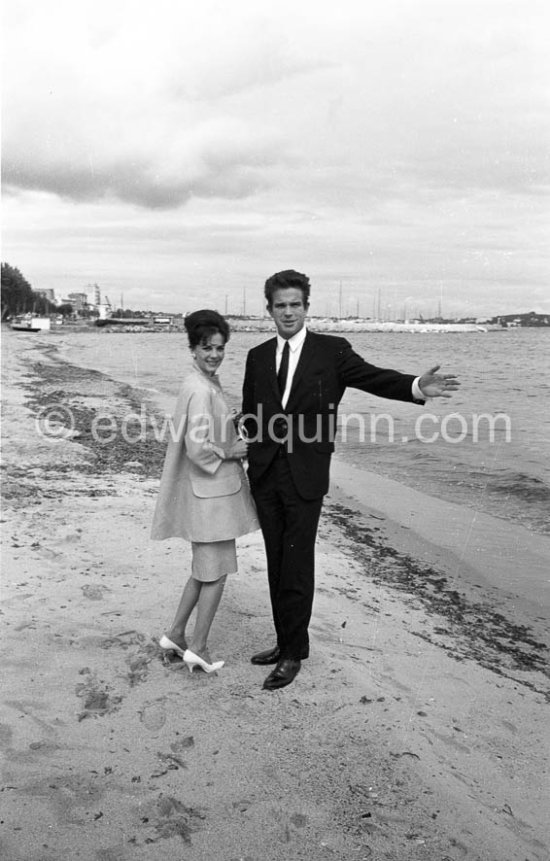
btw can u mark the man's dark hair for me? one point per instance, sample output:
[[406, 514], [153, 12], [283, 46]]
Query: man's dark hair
[[201, 325], [284, 280]]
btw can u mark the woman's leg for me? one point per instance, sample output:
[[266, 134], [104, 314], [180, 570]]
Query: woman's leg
[[207, 604], [188, 601]]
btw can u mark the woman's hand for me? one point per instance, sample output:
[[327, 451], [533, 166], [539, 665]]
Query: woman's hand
[[238, 451]]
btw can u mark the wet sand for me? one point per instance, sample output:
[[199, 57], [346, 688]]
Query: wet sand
[[418, 729]]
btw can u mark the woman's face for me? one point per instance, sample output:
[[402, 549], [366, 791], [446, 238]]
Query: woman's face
[[209, 355]]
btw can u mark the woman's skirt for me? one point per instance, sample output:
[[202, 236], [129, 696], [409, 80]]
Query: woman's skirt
[[213, 559]]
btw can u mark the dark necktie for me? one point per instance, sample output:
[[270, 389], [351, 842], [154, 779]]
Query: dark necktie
[[283, 369]]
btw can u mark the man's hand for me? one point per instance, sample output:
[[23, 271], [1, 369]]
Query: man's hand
[[436, 385]]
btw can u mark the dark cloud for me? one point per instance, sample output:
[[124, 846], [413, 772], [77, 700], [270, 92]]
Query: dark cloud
[[219, 168]]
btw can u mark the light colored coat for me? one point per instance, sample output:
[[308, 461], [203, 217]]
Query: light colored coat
[[202, 497]]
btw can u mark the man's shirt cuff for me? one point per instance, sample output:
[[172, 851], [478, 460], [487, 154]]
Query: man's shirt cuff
[[417, 393]]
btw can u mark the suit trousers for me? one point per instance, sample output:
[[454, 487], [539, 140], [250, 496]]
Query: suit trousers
[[289, 526]]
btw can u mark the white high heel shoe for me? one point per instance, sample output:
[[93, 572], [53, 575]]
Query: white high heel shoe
[[169, 646], [192, 660]]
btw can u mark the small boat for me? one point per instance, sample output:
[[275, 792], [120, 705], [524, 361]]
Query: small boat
[[30, 323]]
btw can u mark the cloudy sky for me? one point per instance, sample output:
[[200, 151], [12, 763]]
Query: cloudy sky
[[179, 152]]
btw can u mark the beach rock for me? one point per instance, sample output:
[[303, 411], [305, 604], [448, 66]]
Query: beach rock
[[133, 466]]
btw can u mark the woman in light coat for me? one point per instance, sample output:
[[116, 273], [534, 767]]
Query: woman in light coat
[[204, 495]]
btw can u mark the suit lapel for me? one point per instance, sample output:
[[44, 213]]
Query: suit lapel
[[299, 379], [270, 365]]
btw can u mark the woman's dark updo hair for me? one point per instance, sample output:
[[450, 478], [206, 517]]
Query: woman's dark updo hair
[[201, 325]]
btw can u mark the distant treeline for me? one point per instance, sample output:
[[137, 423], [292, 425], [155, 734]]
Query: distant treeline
[[18, 297], [531, 318]]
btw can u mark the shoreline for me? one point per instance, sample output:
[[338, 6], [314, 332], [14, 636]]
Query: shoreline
[[473, 548], [317, 324], [416, 727]]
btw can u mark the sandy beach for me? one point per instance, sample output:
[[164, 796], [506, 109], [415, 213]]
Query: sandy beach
[[418, 728]]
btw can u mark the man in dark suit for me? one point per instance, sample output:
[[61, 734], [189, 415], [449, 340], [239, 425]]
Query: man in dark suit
[[292, 387]]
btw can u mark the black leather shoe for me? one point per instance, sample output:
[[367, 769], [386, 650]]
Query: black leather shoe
[[284, 673], [270, 656]]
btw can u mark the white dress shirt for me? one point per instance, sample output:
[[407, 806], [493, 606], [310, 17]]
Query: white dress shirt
[[296, 343]]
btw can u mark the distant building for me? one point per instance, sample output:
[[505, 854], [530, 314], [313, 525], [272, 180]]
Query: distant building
[[79, 301]]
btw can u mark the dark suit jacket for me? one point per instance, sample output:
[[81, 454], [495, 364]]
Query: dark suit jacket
[[307, 426]]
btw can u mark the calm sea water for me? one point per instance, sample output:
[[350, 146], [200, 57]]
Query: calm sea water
[[487, 448]]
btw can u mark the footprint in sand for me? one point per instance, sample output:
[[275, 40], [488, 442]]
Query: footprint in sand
[[169, 817], [124, 640], [48, 553], [98, 701], [182, 744], [93, 591], [138, 666], [298, 820], [288, 823], [153, 714]]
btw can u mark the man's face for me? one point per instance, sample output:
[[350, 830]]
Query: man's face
[[288, 311]]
